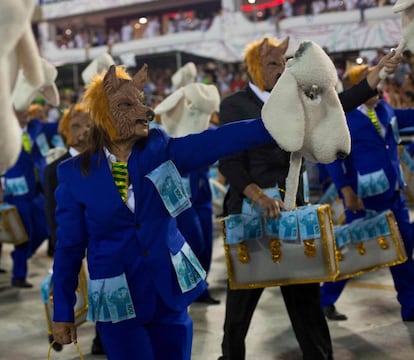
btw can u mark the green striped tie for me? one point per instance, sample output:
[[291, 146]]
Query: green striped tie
[[27, 144], [373, 117], [120, 174]]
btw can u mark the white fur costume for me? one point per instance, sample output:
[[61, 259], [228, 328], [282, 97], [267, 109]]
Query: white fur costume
[[24, 92], [188, 110], [19, 50], [99, 64], [304, 115], [406, 7], [185, 75]]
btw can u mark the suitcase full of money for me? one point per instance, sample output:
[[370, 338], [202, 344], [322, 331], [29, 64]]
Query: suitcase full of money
[[368, 244], [12, 230], [81, 305], [297, 248], [331, 197]]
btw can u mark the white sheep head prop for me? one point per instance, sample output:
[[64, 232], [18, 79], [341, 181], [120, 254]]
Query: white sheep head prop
[[97, 65], [188, 110], [18, 50], [304, 115], [406, 8], [25, 92], [184, 75]]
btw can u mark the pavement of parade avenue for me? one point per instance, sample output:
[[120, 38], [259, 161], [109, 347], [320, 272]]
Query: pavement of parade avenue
[[374, 329]]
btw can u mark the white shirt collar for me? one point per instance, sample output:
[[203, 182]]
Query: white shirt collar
[[110, 157], [73, 152], [363, 108], [262, 95]]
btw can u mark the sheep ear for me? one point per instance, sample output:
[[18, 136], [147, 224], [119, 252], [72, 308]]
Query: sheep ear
[[170, 102], [283, 114]]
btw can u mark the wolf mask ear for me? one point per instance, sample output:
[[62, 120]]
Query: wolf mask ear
[[282, 47], [110, 82], [283, 114], [140, 78]]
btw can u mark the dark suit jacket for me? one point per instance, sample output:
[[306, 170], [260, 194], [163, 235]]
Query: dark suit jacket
[[265, 165]]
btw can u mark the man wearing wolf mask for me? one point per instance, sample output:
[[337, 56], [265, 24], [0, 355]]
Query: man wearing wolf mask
[[267, 166], [142, 272]]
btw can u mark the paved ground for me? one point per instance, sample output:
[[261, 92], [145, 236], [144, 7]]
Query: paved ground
[[374, 329]]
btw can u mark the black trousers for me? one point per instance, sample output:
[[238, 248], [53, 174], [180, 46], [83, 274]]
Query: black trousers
[[303, 305]]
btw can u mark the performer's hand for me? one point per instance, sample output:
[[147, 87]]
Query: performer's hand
[[270, 206], [390, 64], [352, 201], [64, 332]]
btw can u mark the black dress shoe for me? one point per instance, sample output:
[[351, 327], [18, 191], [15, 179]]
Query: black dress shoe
[[208, 300], [332, 314], [97, 348], [21, 283], [56, 346]]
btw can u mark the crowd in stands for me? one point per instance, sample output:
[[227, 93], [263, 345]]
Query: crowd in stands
[[398, 89], [310, 8], [147, 27], [144, 27], [321, 6], [231, 77]]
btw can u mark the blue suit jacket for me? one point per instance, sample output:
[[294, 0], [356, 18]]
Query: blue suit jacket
[[23, 167], [92, 216], [194, 223], [35, 128], [371, 152]]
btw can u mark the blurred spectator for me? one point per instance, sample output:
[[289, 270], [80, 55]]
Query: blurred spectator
[[334, 5], [378, 56], [193, 23], [52, 113], [113, 36], [79, 40], [171, 25], [349, 4], [391, 93], [238, 82], [205, 22], [126, 31], [181, 22], [364, 4], [318, 6], [153, 27], [287, 8], [37, 111], [404, 68]]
